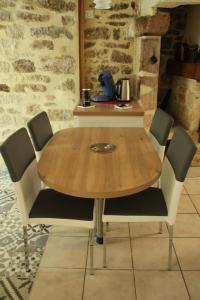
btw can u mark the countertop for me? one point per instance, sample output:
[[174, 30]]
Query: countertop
[[100, 109]]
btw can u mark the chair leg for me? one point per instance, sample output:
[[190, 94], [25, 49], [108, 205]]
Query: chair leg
[[25, 236], [170, 246], [104, 248], [160, 228], [91, 242]]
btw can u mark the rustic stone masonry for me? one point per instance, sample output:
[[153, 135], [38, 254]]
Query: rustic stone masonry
[[147, 44], [169, 43], [106, 44], [39, 62]]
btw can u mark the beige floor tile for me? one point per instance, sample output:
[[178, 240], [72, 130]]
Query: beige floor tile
[[109, 285], [118, 254], [58, 284], [192, 186], [184, 192], [196, 200], [160, 285], [65, 252], [69, 231], [192, 279], [152, 254], [185, 205], [148, 229], [187, 225], [187, 250], [193, 172], [118, 230]]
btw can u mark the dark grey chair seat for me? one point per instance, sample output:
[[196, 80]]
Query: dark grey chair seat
[[52, 204], [149, 202]]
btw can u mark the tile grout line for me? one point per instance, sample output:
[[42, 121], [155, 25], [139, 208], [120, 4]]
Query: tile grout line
[[85, 268], [180, 267], [181, 272], [188, 194], [193, 204], [134, 281]]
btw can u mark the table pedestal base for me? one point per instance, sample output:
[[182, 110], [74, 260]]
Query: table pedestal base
[[98, 222]]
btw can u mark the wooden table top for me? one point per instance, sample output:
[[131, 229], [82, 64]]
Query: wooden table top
[[69, 166], [109, 110]]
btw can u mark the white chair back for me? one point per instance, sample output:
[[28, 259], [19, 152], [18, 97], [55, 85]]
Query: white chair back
[[27, 189]]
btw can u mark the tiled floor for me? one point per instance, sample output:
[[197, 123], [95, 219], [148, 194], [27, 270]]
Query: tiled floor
[[137, 259]]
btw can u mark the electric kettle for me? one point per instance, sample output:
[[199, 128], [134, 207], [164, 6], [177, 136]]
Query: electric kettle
[[123, 89]]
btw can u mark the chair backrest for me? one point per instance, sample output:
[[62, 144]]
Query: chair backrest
[[40, 130], [159, 131], [19, 156], [176, 164]]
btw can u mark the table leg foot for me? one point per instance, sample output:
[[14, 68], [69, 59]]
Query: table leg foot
[[99, 240]]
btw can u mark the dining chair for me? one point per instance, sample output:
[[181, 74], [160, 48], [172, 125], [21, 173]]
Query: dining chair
[[159, 131], [41, 131], [155, 204], [37, 206]]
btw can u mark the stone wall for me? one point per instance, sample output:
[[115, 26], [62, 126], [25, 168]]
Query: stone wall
[[148, 32], [184, 103], [106, 43], [39, 62], [169, 44]]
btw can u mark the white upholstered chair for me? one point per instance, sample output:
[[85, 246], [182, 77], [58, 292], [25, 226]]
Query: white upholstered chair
[[159, 131], [39, 206], [155, 204]]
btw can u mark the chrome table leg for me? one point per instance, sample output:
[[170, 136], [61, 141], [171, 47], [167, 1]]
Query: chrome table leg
[[99, 224]]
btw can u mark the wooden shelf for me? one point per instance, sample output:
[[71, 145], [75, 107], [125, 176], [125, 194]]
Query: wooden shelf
[[187, 70]]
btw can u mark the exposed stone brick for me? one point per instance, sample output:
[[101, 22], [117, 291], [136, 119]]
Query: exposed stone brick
[[27, 7], [155, 25], [120, 16], [5, 15], [50, 104], [13, 111], [89, 44], [126, 70], [23, 88], [120, 6], [24, 66], [97, 33], [56, 114], [115, 45], [4, 67], [68, 20], [7, 3], [33, 109], [111, 68], [121, 57], [116, 34], [116, 23], [41, 44], [15, 31], [61, 5], [69, 84], [96, 53], [38, 78], [52, 31], [4, 88], [64, 64], [50, 97], [30, 17]]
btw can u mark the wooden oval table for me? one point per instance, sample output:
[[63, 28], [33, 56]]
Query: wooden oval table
[[69, 166]]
